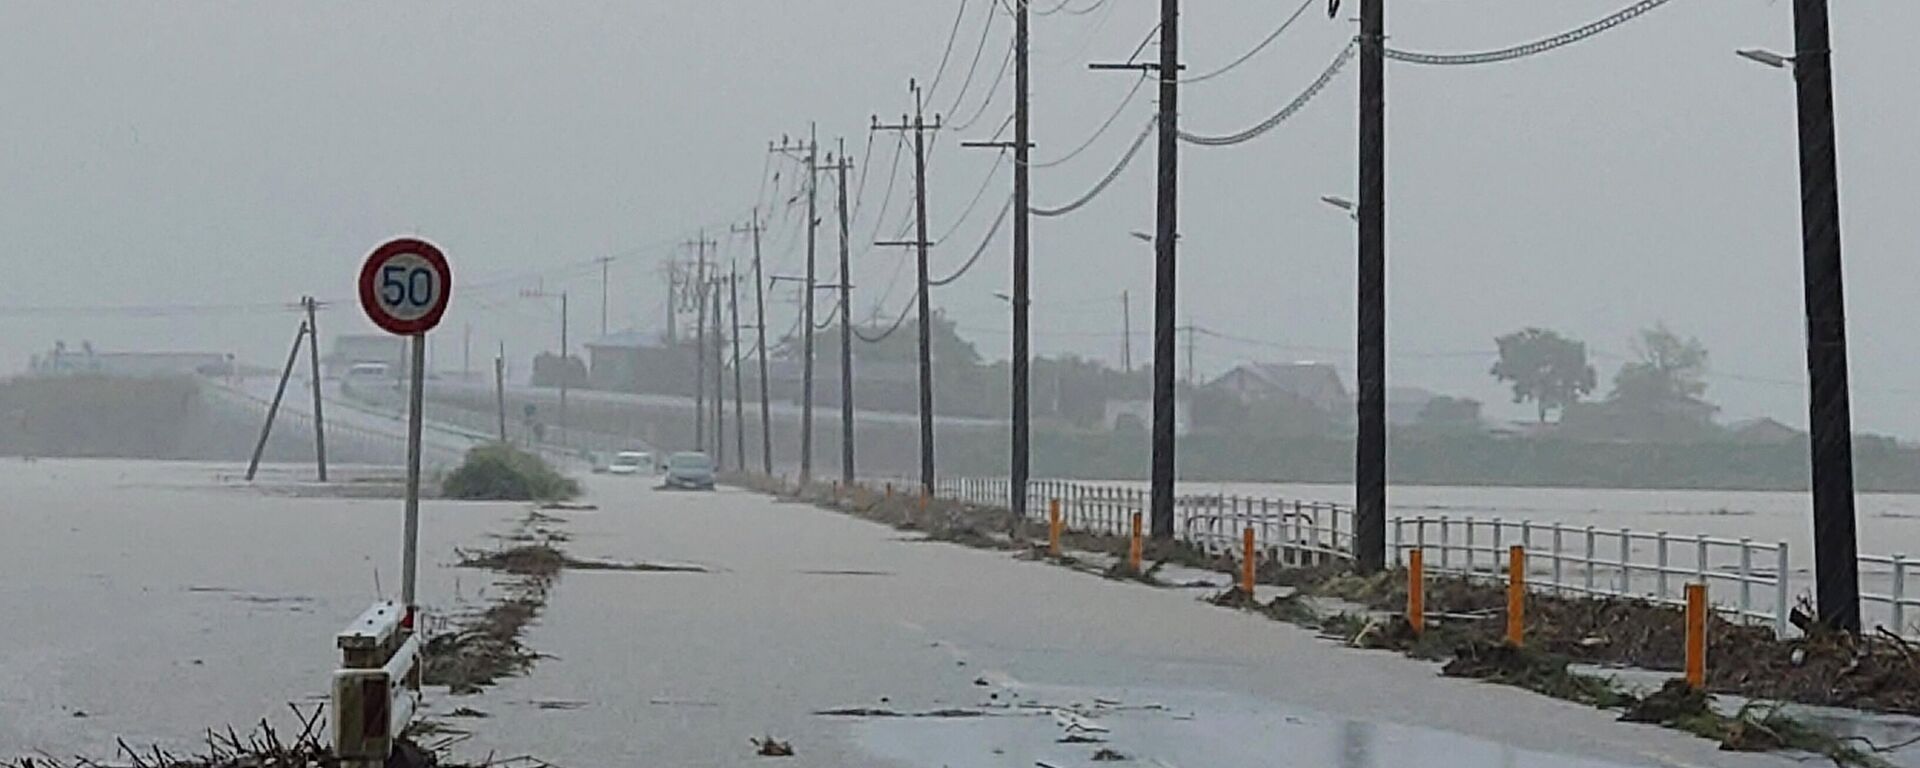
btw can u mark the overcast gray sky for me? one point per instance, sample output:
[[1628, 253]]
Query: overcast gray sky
[[202, 158]]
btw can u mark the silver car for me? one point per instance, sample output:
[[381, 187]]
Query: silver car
[[691, 470]]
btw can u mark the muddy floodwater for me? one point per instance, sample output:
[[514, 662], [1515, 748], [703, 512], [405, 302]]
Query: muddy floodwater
[[147, 602]]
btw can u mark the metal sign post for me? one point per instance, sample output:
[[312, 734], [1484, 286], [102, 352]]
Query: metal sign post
[[404, 288]]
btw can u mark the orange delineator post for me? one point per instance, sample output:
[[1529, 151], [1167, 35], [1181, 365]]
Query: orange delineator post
[[1053, 528], [1134, 550], [1246, 561], [1697, 636], [1516, 595], [1416, 591]]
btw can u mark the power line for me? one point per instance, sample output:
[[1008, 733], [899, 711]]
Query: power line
[[992, 231], [1319, 84], [897, 323], [1081, 201], [1062, 6], [992, 90], [1527, 49], [986, 32], [1098, 132], [941, 70], [1256, 49], [999, 160]]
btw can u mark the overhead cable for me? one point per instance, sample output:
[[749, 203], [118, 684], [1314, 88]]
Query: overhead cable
[[1527, 49], [992, 231], [1063, 210], [941, 70], [1293, 107], [1098, 132], [1256, 49], [992, 90]]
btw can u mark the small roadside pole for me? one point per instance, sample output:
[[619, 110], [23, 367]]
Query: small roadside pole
[[404, 288], [1697, 636], [1053, 528], [1417, 590], [1246, 561], [1134, 548], [1516, 595]]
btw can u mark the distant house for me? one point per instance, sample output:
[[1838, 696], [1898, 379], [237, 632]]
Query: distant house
[[351, 349], [1683, 420], [635, 361], [1404, 405], [1763, 431], [1314, 384]]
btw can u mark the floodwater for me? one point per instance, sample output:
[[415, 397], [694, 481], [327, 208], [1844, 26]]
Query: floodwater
[[160, 600]]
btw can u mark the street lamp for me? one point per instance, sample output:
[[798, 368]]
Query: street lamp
[[1346, 204], [1764, 56]]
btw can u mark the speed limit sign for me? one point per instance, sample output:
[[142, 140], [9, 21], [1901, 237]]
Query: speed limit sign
[[404, 286]]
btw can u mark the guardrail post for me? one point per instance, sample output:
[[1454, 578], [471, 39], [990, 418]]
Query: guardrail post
[[1559, 584], [1700, 565], [1899, 594], [1697, 636], [1516, 595], [1416, 591], [1444, 536], [1660, 561], [1626, 562], [1397, 551], [1589, 560], [1746, 579], [1782, 575], [1420, 533], [1469, 546], [1497, 536], [1247, 560]]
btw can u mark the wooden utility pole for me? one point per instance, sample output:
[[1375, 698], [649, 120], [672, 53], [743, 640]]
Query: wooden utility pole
[[1165, 241], [1830, 422], [1020, 386], [808, 153], [760, 326], [719, 379], [1370, 460], [845, 287], [319, 415], [739, 409], [920, 127], [500, 389], [604, 261], [1126, 333], [273, 410], [699, 246]]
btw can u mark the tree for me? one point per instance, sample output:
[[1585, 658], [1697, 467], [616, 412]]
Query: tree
[[1668, 369], [1544, 367]]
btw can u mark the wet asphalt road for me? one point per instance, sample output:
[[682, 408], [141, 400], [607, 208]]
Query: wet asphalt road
[[807, 610]]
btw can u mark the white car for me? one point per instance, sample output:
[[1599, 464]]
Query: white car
[[631, 463]]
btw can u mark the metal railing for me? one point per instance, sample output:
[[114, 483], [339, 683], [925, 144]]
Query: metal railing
[[1292, 531], [1588, 560], [1895, 600]]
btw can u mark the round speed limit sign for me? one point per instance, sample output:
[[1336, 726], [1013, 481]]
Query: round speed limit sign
[[404, 286]]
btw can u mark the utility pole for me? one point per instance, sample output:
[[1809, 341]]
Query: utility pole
[[760, 320], [1126, 333], [1370, 460], [719, 379], [739, 409], [699, 284], [808, 153], [500, 389], [673, 301], [1020, 386], [1830, 422], [919, 127], [1190, 329], [1165, 240], [565, 367], [266, 429], [319, 416], [604, 261], [846, 323]]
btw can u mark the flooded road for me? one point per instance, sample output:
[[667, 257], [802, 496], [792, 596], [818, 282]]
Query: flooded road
[[159, 602]]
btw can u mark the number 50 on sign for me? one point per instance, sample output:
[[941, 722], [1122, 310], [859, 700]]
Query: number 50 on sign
[[404, 286]]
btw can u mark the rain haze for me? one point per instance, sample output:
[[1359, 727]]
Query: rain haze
[[897, 540], [193, 157]]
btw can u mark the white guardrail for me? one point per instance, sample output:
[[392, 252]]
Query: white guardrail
[[377, 687], [1752, 580]]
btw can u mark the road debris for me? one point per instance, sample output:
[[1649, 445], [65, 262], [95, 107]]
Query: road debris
[[772, 747]]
